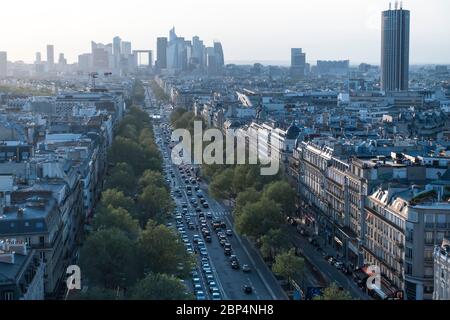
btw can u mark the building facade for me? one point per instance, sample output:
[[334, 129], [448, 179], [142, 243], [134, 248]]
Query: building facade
[[395, 49]]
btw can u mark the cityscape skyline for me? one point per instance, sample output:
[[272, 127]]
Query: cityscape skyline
[[360, 22]]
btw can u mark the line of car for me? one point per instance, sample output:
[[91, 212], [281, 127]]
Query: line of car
[[186, 173]]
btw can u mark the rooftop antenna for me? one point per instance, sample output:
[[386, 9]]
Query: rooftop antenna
[[390, 5], [396, 5]]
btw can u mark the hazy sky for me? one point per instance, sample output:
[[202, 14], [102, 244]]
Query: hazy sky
[[251, 30]]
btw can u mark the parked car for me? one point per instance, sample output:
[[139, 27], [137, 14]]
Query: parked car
[[246, 268]]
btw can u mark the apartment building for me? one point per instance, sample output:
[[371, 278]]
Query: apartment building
[[21, 272], [442, 271]]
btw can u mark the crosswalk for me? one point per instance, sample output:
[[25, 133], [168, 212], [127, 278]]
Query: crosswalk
[[220, 213]]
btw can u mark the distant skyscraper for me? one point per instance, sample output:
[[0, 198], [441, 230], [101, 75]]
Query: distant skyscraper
[[38, 57], [117, 46], [3, 63], [395, 49], [50, 55], [198, 53], [172, 35], [62, 60], [298, 60], [125, 48], [102, 56], [84, 62], [161, 53], [218, 51]]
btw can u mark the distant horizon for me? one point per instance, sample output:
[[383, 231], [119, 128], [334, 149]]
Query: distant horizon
[[286, 63], [325, 29]]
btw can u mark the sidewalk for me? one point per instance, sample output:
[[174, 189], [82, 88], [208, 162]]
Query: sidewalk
[[329, 272]]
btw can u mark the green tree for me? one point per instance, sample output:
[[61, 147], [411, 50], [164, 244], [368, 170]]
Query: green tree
[[95, 293], [127, 151], [161, 251], [129, 131], [119, 218], [117, 199], [152, 178], [249, 195], [108, 259], [209, 170], [273, 242], [155, 203], [176, 114], [256, 219], [333, 292], [122, 178], [282, 193], [146, 137], [288, 265], [159, 287], [221, 186], [240, 182]]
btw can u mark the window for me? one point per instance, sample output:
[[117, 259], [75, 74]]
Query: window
[[428, 289], [429, 237], [441, 221], [8, 295], [429, 272], [408, 269], [429, 220], [428, 255], [28, 241], [41, 240], [409, 253]]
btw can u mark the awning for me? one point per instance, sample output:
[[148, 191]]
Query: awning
[[338, 241]]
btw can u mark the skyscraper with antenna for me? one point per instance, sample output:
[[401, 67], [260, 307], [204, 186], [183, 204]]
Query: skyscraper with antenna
[[395, 48]]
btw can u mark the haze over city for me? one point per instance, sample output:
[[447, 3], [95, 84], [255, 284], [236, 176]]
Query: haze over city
[[251, 31]]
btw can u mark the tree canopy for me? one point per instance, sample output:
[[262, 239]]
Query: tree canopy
[[108, 259], [161, 251], [288, 265], [256, 219], [159, 287], [333, 292]]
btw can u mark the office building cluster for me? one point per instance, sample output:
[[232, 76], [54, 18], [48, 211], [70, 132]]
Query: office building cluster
[[176, 54]]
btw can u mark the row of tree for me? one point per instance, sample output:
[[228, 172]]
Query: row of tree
[[261, 207], [159, 92], [138, 92], [131, 254], [262, 204]]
